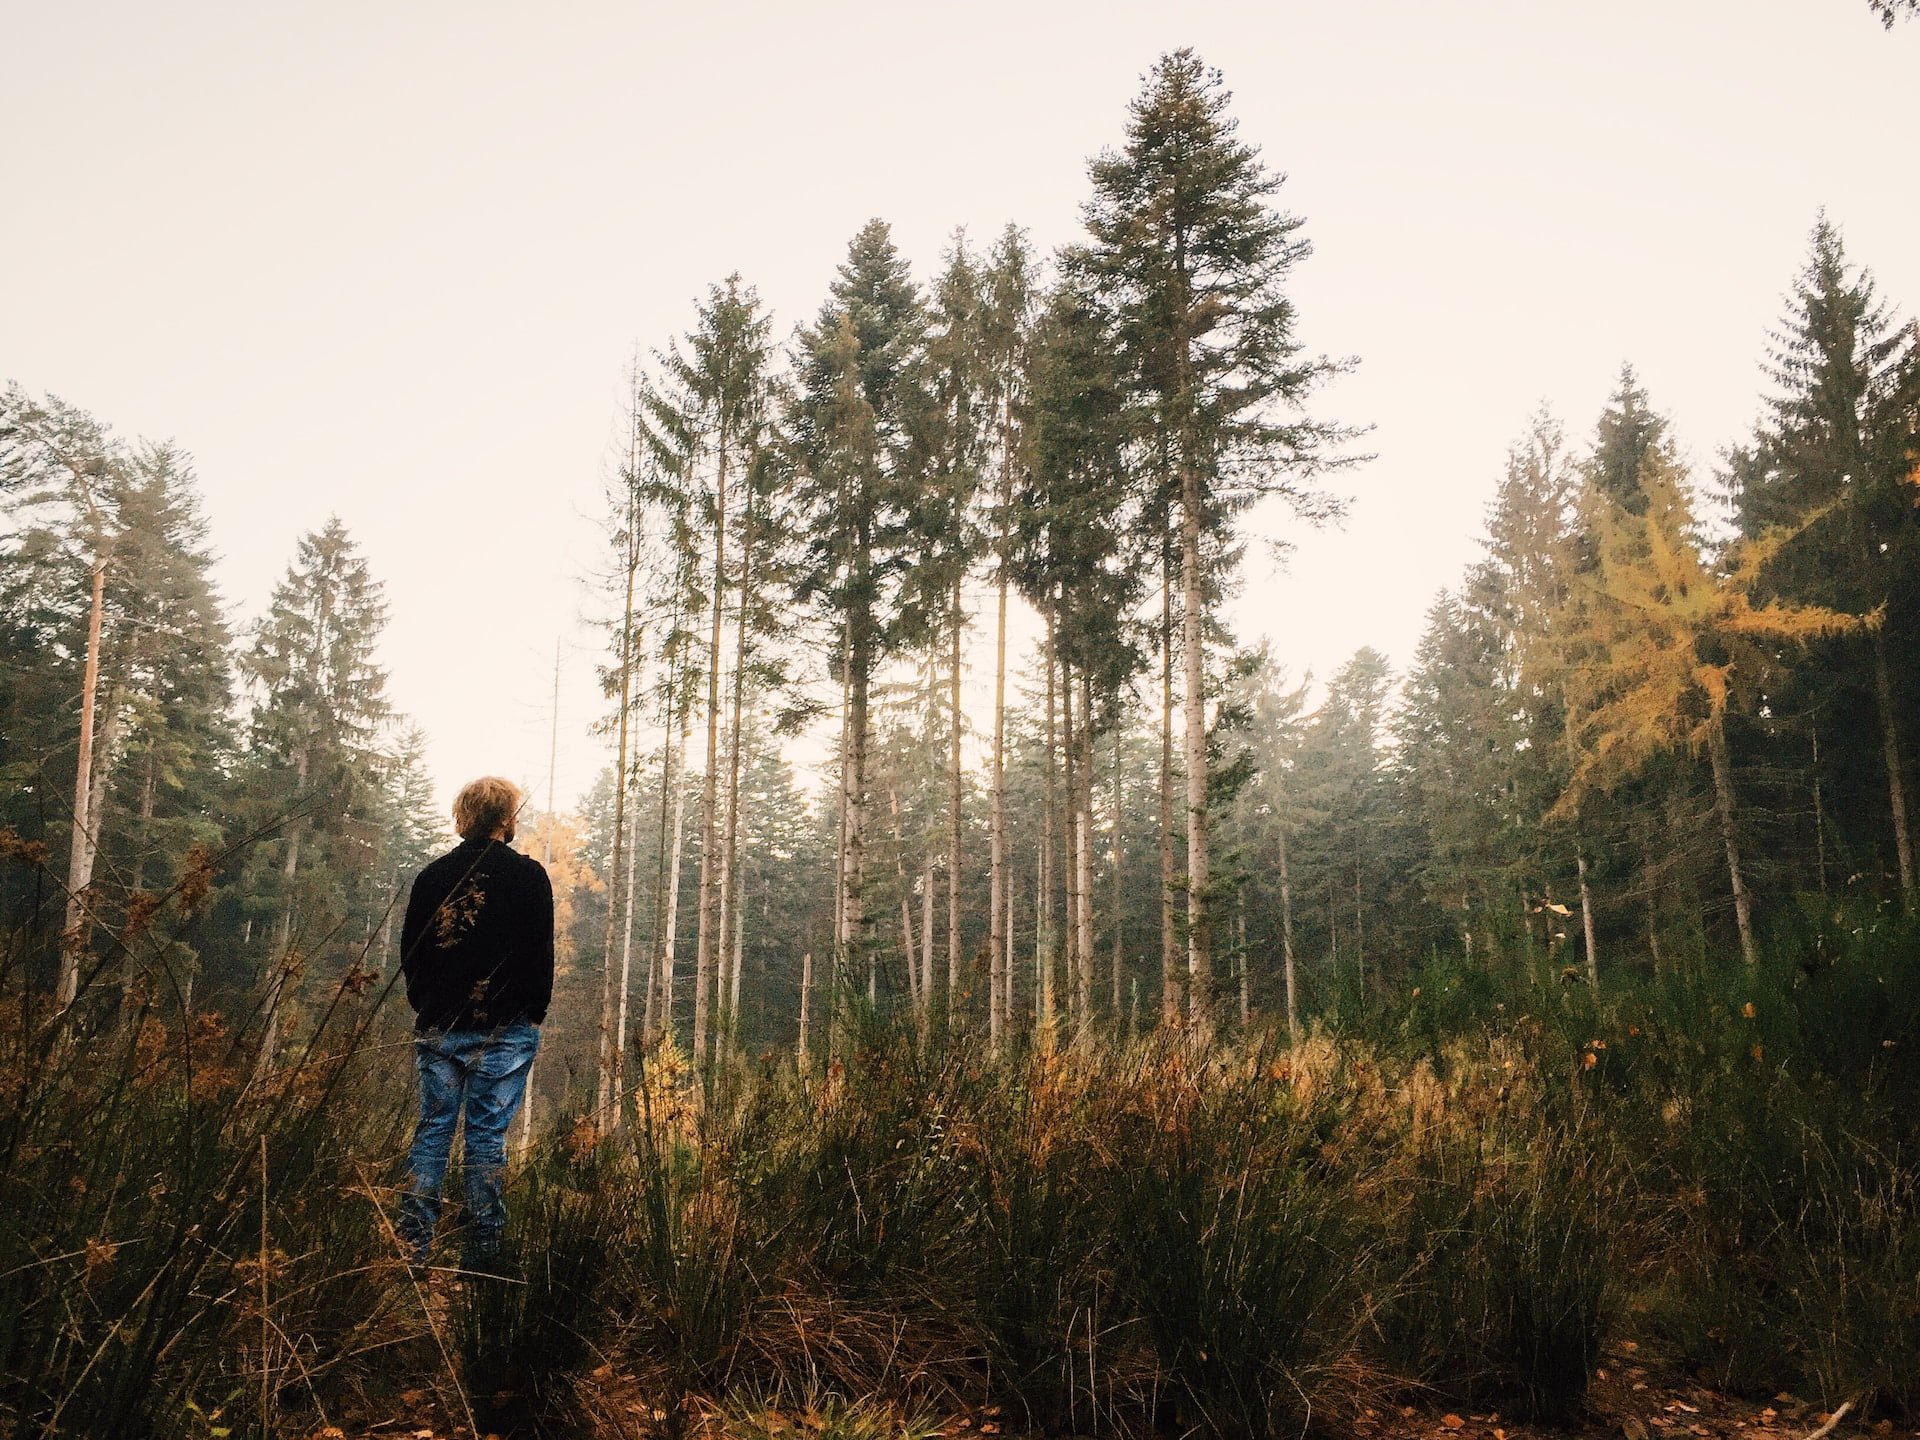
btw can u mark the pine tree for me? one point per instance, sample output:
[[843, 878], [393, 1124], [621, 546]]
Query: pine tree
[[319, 709], [713, 412], [1191, 258], [1343, 787], [1461, 736], [849, 433], [163, 788], [1005, 327], [1084, 565], [1536, 547], [60, 459], [952, 398], [1267, 810], [1831, 464]]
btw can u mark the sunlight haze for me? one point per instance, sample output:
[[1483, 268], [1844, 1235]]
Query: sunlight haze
[[391, 262]]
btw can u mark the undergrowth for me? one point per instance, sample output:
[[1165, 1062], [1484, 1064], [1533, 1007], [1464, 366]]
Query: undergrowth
[[1467, 1195]]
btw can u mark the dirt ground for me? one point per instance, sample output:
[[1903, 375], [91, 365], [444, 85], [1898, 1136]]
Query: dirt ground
[[1631, 1398]]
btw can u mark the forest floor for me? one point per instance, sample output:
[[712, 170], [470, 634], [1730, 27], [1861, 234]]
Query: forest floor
[[1632, 1397]]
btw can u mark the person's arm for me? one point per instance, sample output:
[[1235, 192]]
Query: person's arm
[[540, 946], [420, 907]]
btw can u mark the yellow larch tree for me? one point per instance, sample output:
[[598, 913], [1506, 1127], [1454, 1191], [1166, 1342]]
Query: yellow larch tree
[[1676, 640]]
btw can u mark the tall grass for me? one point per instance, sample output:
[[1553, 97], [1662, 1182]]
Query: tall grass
[[1468, 1196]]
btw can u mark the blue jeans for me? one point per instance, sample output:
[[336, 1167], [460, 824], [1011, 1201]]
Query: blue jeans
[[484, 1072]]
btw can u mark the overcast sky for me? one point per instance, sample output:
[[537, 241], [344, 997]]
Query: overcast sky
[[388, 261]]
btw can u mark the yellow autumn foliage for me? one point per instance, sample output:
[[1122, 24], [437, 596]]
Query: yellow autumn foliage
[[1674, 637]]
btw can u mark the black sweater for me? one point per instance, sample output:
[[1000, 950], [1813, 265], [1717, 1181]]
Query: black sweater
[[477, 947]]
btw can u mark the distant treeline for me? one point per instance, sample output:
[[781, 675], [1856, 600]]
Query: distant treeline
[[1663, 718]]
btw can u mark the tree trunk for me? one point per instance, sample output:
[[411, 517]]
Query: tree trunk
[[1286, 941], [734, 966], [1119, 875], [1193, 639], [1819, 818], [1586, 917], [707, 930], [926, 931], [612, 1058], [730, 898], [908, 948], [839, 959], [806, 1009], [1083, 940], [999, 932], [670, 926], [1172, 1004], [1071, 832], [853, 898], [280, 962], [1012, 990], [1240, 959], [1723, 805], [1890, 755], [1043, 896], [86, 840], [626, 963], [659, 1003], [955, 792]]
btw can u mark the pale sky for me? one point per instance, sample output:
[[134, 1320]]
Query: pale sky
[[389, 261]]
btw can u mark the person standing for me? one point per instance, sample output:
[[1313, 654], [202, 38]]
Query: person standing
[[477, 952]]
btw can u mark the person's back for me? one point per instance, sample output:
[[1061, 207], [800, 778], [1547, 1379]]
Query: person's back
[[477, 947], [477, 952]]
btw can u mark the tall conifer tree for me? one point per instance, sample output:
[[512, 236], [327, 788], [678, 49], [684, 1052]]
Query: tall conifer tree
[[1191, 257]]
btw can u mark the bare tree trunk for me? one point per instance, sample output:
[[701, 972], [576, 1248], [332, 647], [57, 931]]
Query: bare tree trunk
[[1240, 959], [707, 931], [955, 836], [926, 933], [1083, 940], [1193, 641], [1359, 930], [1172, 998], [612, 1053], [1723, 805], [1286, 941], [1012, 989], [1819, 817], [916, 990], [1586, 916], [86, 839], [729, 883], [1119, 876], [1070, 829], [670, 926], [806, 1010], [739, 951], [659, 1002], [1890, 754], [1043, 897], [1580, 862], [999, 893], [854, 895], [837, 971], [626, 962], [840, 834]]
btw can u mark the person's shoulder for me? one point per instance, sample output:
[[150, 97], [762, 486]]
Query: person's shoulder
[[449, 866], [525, 863]]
